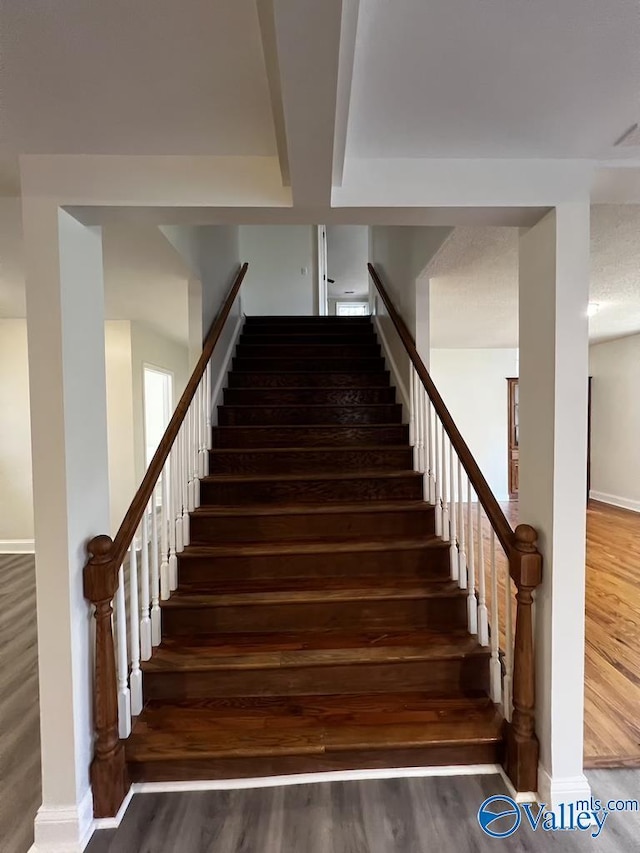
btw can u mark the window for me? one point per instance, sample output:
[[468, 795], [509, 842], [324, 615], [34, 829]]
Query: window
[[352, 309], [158, 407]]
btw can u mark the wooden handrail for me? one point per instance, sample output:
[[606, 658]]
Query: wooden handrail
[[494, 512], [130, 522], [525, 570], [109, 779]]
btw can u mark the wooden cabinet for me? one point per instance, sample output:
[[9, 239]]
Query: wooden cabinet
[[513, 451]]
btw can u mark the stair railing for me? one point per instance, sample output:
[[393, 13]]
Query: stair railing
[[486, 556], [138, 568]]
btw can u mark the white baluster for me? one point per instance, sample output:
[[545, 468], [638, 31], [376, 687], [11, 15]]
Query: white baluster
[[177, 492], [145, 591], [420, 427], [201, 427], [472, 604], [483, 615], [195, 458], [412, 406], [184, 462], [155, 574], [165, 582], [135, 678], [495, 670], [191, 488], [431, 420], [446, 532], [462, 552], [208, 432], [171, 514], [507, 684], [454, 499], [124, 696], [438, 474]]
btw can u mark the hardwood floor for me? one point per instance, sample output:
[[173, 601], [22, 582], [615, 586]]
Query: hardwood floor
[[19, 714], [373, 816], [612, 677], [612, 660]]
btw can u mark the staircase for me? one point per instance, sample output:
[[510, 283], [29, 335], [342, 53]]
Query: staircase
[[315, 626]]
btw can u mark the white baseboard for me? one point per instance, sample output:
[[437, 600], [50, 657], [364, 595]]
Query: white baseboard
[[615, 500], [393, 367], [64, 829], [554, 791], [114, 822], [221, 381], [69, 830], [311, 778], [17, 546]]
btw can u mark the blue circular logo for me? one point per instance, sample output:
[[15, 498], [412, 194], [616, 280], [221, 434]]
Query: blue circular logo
[[502, 808]]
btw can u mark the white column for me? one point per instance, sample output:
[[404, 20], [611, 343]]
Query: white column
[[65, 318], [554, 293]]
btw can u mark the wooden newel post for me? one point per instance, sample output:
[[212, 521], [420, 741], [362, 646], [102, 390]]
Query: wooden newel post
[[109, 778], [522, 748]]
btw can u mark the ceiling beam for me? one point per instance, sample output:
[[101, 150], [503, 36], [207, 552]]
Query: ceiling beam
[[308, 48], [349, 29], [266, 17]]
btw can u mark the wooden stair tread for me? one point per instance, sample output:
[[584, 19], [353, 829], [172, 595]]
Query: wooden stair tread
[[402, 505], [331, 584], [199, 654], [320, 595], [254, 549], [312, 425], [304, 725], [314, 475]]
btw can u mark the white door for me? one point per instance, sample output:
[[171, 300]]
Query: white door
[[323, 291]]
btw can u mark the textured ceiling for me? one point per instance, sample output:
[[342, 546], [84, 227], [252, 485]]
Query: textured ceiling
[[474, 289], [474, 293], [494, 78], [142, 77]]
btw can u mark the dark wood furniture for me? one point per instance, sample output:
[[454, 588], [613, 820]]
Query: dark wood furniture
[[513, 451]]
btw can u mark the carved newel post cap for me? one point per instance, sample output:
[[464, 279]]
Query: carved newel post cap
[[99, 548], [100, 573], [526, 537]]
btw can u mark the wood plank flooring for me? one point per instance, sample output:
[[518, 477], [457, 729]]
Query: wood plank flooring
[[19, 713], [417, 815], [612, 673], [612, 658]]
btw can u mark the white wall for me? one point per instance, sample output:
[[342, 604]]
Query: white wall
[[473, 385], [16, 493], [127, 347], [120, 408], [275, 283], [615, 421], [212, 253], [401, 255]]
